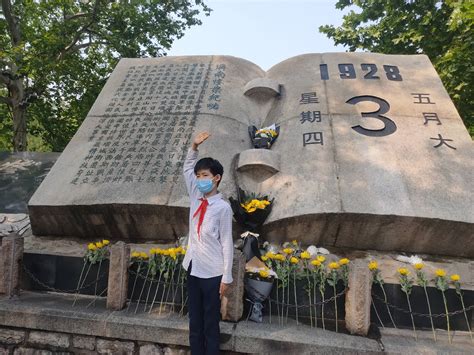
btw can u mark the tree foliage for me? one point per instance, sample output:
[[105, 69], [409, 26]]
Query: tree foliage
[[56, 55], [443, 30]]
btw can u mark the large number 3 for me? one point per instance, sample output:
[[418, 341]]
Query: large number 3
[[389, 126]]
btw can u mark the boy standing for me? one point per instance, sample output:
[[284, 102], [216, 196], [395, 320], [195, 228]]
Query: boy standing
[[209, 254]]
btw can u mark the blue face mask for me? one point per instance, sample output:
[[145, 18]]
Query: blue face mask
[[204, 185]]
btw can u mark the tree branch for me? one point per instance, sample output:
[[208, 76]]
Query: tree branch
[[12, 23], [74, 16], [85, 45]]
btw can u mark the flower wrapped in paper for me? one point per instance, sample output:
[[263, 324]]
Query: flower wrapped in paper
[[258, 286], [251, 210], [264, 137]]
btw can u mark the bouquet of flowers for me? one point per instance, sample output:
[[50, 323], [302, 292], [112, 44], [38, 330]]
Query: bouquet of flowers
[[264, 137], [258, 286], [251, 210]]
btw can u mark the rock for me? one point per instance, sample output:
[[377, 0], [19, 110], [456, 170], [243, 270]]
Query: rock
[[358, 298], [83, 342], [115, 347], [232, 305], [372, 153], [118, 276], [150, 349], [11, 255], [175, 350], [10, 336], [59, 340]]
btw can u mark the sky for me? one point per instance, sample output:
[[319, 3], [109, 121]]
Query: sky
[[264, 32]]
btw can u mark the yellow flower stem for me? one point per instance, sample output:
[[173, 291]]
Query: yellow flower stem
[[176, 290], [171, 279], [278, 305], [447, 316], [96, 282], [335, 304], [429, 309], [78, 284], [309, 293], [143, 287], [134, 284], [314, 301], [411, 315], [377, 313], [296, 300], [386, 304], [156, 292], [148, 293], [465, 316], [322, 308]]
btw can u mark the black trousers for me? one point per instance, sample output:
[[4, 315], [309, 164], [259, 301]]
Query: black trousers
[[204, 305]]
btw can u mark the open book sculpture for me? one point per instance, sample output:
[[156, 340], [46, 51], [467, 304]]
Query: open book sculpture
[[372, 153]]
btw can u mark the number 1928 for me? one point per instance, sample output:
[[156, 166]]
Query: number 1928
[[347, 71]]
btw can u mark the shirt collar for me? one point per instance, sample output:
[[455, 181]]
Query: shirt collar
[[214, 198]]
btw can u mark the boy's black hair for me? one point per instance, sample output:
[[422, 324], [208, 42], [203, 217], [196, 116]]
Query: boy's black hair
[[210, 164]]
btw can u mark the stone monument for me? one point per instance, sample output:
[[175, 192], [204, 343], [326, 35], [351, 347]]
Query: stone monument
[[372, 153]]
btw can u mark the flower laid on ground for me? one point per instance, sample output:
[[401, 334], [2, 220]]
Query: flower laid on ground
[[332, 279], [403, 271], [321, 258], [378, 279], [455, 278], [288, 250], [423, 282], [407, 284], [373, 265], [305, 255], [315, 262], [294, 260], [97, 252], [263, 137], [442, 285], [344, 262], [418, 266]]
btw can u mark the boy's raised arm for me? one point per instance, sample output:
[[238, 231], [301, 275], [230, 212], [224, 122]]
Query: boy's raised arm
[[190, 162]]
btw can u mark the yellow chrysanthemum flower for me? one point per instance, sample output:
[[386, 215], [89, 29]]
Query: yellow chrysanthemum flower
[[315, 262], [455, 277], [264, 258], [403, 271], [106, 242], [153, 251], [264, 273], [419, 266], [280, 257], [294, 242], [440, 273], [270, 255], [91, 246], [344, 261], [288, 250], [334, 265], [321, 258], [99, 244], [144, 255], [294, 260], [305, 255], [373, 265], [135, 254]]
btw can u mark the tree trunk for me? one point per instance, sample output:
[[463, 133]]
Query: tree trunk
[[17, 92]]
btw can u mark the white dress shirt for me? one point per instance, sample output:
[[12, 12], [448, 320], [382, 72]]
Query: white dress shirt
[[213, 254]]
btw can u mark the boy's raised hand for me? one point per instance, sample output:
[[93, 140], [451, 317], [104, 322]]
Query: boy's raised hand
[[201, 137]]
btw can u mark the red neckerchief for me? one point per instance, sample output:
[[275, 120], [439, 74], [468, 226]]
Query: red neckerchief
[[202, 208]]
